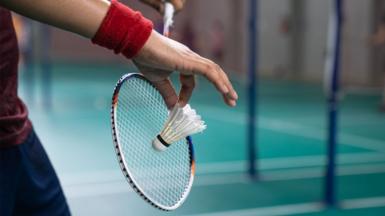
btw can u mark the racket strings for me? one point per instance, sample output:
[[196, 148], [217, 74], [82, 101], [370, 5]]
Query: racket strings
[[163, 177]]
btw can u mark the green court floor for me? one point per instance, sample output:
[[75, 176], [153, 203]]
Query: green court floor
[[291, 144]]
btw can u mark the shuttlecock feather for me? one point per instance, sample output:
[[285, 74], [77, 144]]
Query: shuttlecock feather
[[181, 122]]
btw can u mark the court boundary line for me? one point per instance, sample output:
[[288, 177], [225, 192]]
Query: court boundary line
[[301, 208], [350, 122], [291, 128], [288, 175], [290, 162], [266, 164], [360, 203], [116, 186], [277, 210]]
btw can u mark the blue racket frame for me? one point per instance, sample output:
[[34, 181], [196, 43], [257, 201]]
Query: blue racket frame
[[118, 151]]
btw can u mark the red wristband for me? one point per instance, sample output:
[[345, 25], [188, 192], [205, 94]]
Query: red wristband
[[123, 30]]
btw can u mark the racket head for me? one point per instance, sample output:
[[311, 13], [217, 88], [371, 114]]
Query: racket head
[[138, 112]]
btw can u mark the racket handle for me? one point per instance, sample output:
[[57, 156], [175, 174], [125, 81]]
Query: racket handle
[[169, 11]]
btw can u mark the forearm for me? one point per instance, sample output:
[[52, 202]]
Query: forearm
[[79, 16], [117, 27]]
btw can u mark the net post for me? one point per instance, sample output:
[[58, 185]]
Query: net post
[[335, 39], [252, 89]]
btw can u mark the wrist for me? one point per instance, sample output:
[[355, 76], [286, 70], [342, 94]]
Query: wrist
[[123, 30]]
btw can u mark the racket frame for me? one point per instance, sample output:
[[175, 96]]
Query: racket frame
[[119, 153]]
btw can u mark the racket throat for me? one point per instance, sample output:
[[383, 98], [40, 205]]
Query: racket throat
[[159, 143]]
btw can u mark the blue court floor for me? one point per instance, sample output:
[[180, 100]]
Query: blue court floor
[[291, 143]]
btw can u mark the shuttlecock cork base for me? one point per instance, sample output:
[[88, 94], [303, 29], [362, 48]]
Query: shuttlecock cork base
[[159, 144], [181, 122]]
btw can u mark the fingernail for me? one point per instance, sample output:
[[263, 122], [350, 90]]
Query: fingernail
[[232, 95], [236, 95], [232, 103]]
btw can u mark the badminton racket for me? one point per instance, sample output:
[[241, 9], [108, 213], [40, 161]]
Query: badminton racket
[[162, 178]]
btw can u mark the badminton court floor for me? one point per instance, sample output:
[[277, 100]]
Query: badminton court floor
[[291, 147]]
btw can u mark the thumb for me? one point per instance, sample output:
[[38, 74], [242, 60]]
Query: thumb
[[167, 91]]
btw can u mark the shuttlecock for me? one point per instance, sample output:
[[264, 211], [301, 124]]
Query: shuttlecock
[[181, 122]]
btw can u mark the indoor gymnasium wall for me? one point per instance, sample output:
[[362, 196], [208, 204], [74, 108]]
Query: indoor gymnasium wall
[[69, 47], [377, 55], [231, 14], [276, 48], [356, 43], [223, 19], [273, 46], [356, 47], [273, 41], [315, 32]]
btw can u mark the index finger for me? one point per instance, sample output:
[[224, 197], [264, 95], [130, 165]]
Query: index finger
[[216, 76], [188, 84], [167, 91]]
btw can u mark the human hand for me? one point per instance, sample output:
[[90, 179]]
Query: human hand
[[160, 56], [160, 79]]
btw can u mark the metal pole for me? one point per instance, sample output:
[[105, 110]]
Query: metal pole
[[335, 38], [252, 88]]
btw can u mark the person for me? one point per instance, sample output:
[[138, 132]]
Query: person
[[28, 183], [378, 39]]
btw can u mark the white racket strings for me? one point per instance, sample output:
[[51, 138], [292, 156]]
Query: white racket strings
[[163, 177]]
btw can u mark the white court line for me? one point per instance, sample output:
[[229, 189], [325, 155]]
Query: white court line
[[87, 189], [360, 203], [272, 210], [344, 138], [319, 173], [292, 128], [236, 166], [347, 121], [286, 175], [289, 162], [301, 208]]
